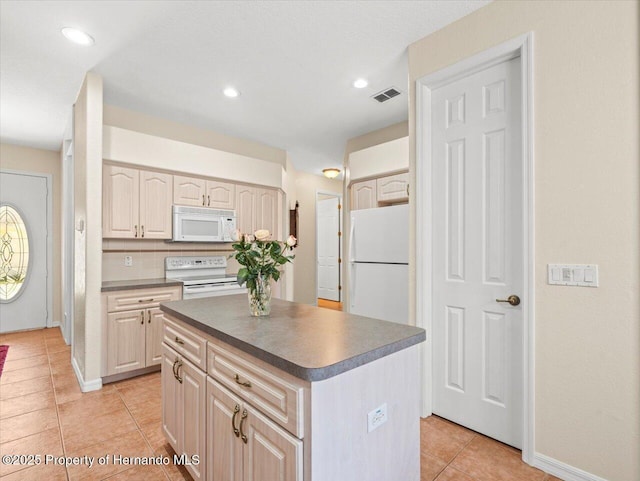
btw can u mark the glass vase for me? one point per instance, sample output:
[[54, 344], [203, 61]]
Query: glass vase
[[260, 297]]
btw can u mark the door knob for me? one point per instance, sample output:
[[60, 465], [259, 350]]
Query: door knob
[[512, 299]]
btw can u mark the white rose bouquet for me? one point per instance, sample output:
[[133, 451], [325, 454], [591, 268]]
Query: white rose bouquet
[[260, 256]]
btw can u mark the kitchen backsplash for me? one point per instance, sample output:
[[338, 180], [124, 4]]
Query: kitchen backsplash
[[148, 257]]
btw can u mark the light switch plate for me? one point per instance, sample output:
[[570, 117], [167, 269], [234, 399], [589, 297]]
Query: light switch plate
[[581, 275]]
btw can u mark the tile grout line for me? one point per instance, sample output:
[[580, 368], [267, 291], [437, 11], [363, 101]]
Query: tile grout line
[[139, 427], [55, 400]]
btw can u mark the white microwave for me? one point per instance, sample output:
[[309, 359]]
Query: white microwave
[[201, 224]]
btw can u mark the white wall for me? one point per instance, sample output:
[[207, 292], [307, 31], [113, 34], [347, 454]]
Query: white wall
[[87, 323], [158, 152], [380, 159], [586, 64]]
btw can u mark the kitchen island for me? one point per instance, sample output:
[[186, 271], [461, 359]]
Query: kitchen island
[[306, 394]]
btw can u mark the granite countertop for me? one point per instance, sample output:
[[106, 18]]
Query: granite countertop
[[308, 342], [138, 284]]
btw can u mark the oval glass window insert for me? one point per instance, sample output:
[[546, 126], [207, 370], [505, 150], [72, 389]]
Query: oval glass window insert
[[14, 253]]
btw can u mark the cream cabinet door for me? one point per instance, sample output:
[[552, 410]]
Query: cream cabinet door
[[171, 399], [245, 209], [224, 449], [193, 424], [153, 333], [393, 188], [221, 195], [189, 190], [266, 211], [120, 202], [363, 195], [125, 341], [270, 452], [156, 197]]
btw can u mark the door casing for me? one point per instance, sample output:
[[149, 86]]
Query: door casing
[[320, 193], [48, 179], [518, 47]]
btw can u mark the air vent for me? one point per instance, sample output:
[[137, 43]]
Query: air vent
[[386, 94]]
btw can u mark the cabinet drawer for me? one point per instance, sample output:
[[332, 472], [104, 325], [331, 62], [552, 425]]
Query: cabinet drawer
[[141, 298], [276, 397], [185, 342]]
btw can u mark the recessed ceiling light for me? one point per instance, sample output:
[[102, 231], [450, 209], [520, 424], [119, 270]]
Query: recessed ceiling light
[[231, 92], [78, 36], [360, 83]]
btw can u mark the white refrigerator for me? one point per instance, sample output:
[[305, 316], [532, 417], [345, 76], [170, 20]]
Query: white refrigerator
[[379, 263]]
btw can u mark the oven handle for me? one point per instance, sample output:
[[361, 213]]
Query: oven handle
[[207, 288]]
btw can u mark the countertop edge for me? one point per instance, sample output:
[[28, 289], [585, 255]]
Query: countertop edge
[[301, 372]]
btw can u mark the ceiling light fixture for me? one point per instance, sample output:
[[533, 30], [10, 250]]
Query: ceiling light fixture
[[360, 83], [78, 36], [331, 173], [231, 92]]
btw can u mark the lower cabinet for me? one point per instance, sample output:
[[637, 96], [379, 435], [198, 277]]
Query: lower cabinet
[[245, 445], [134, 339], [183, 410], [244, 435], [133, 326]]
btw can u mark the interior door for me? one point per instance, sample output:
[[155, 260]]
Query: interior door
[[23, 252], [328, 222], [478, 252]]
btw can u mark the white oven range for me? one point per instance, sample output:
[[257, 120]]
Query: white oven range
[[202, 276]]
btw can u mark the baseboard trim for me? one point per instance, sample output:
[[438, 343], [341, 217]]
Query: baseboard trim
[[85, 386], [562, 470]]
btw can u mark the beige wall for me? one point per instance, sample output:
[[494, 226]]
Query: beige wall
[[87, 323], [131, 120], [27, 159], [304, 265], [586, 126]]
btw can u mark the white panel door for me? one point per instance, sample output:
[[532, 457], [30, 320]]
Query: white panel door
[[23, 251], [328, 221], [380, 291], [478, 252]]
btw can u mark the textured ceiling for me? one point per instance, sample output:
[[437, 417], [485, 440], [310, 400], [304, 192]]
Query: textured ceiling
[[293, 61]]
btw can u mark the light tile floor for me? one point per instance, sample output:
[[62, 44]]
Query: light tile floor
[[43, 411]]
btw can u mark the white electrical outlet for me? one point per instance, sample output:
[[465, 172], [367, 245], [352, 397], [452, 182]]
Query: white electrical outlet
[[128, 261], [377, 417]]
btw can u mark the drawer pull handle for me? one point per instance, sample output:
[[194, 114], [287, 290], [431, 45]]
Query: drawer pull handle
[[142, 228], [179, 341], [151, 299], [236, 431], [174, 368], [141, 317], [178, 372], [242, 383], [243, 436], [136, 228]]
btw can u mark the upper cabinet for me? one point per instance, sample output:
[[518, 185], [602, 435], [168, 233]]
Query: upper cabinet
[[257, 208], [370, 169], [363, 195], [204, 193], [136, 204], [393, 188]]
